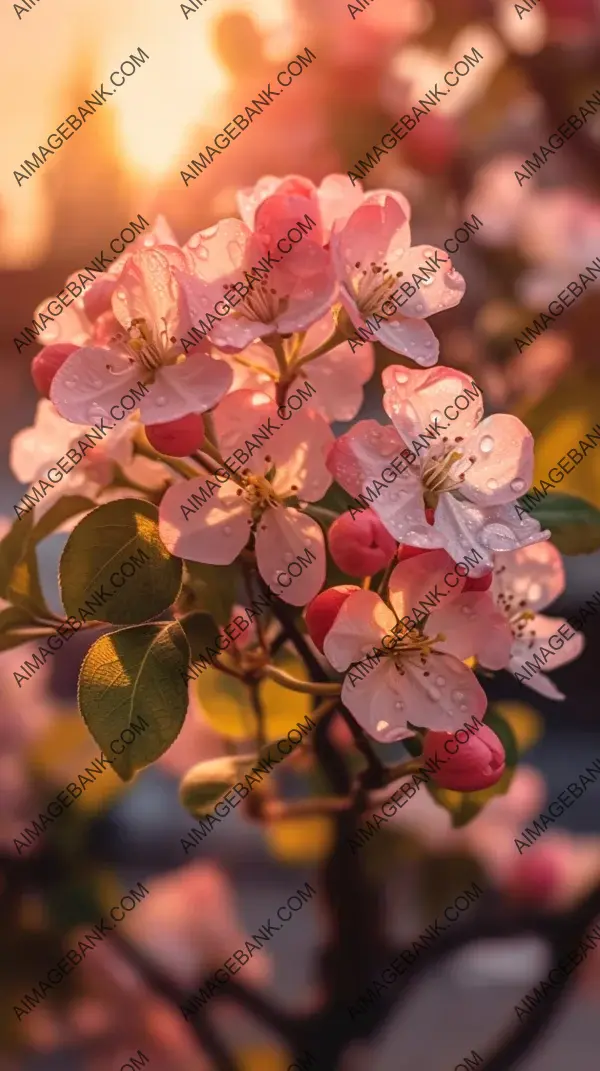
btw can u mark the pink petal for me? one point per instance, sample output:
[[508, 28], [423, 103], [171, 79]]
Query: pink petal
[[473, 626], [413, 579], [413, 399], [385, 700], [379, 197], [366, 238], [503, 470], [237, 418], [338, 199], [377, 703], [148, 290], [288, 204], [193, 386], [300, 449], [360, 625], [90, 382], [442, 290], [535, 574], [465, 527], [412, 338], [359, 455], [282, 535], [250, 197], [215, 533], [536, 635]]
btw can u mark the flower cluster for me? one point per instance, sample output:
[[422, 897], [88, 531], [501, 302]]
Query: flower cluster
[[238, 452]]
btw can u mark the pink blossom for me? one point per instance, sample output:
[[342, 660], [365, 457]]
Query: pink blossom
[[360, 546], [373, 259], [469, 471], [286, 293], [287, 466], [76, 320], [34, 450], [337, 376], [419, 676], [526, 581], [149, 304]]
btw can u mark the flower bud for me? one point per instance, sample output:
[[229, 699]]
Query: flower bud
[[360, 547], [477, 763], [322, 611], [177, 437], [46, 364], [479, 583]]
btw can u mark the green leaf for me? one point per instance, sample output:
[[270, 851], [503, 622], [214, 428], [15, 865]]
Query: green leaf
[[17, 627], [133, 673], [213, 588], [97, 548], [574, 523], [63, 509], [12, 549], [206, 782], [200, 631], [19, 577]]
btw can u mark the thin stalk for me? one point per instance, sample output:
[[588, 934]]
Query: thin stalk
[[294, 685]]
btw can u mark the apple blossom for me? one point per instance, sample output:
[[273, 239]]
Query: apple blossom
[[287, 466], [420, 676], [150, 305], [469, 472], [525, 581], [373, 260]]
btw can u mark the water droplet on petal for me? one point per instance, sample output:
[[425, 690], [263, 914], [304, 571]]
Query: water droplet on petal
[[440, 681], [434, 694], [401, 377], [463, 708], [381, 725], [487, 444], [399, 705], [518, 485], [70, 383], [419, 307], [160, 400], [492, 484], [457, 696], [227, 530]]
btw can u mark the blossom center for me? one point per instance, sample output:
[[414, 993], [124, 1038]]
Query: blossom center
[[437, 477], [262, 305], [517, 613], [414, 642], [259, 493], [373, 286], [150, 351]]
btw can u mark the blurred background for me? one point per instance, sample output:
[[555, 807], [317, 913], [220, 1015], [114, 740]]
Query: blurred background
[[126, 159]]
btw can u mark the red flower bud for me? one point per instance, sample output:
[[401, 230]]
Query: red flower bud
[[360, 547], [177, 437], [478, 762], [322, 611], [46, 364], [479, 583]]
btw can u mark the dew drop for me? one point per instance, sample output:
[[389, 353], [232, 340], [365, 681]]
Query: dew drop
[[70, 383], [382, 725], [492, 484], [517, 485], [487, 444], [458, 696], [399, 705], [463, 708], [160, 400], [401, 377], [440, 681], [419, 307], [434, 694], [227, 530]]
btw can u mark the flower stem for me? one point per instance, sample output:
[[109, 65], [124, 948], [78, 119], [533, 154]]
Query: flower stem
[[295, 685]]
